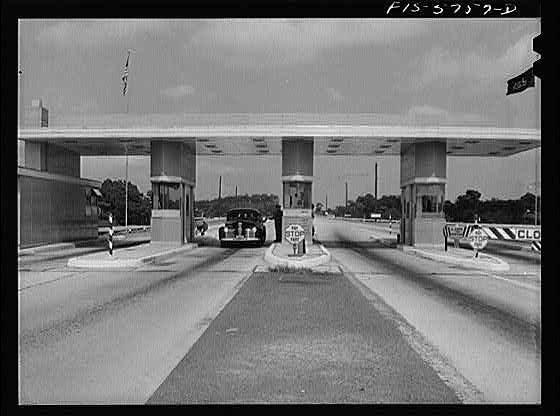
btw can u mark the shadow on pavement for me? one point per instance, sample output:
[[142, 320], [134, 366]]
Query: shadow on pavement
[[378, 244]]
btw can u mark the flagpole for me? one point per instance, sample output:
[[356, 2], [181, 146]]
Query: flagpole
[[126, 150]]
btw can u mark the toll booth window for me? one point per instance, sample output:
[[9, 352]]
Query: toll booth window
[[297, 195], [166, 196], [432, 203]]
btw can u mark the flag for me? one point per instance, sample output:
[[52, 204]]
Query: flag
[[125, 75], [521, 82]]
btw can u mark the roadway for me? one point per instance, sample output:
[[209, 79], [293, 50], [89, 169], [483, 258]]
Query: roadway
[[203, 327], [485, 326]]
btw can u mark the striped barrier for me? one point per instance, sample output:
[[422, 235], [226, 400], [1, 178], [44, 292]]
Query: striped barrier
[[501, 232], [514, 233]]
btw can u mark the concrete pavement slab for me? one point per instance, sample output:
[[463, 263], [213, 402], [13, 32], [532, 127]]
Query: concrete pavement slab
[[129, 257], [459, 256]]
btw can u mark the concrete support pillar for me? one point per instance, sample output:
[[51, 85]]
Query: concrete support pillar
[[297, 181], [173, 177], [423, 179]]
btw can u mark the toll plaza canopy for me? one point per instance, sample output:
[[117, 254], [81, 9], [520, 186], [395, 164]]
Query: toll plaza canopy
[[173, 143], [261, 134]]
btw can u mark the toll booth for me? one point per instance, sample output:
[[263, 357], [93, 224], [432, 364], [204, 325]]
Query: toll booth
[[173, 174], [297, 185], [423, 179]]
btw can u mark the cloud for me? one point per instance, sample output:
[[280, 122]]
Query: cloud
[[475, 70], [431, 113], [178, 91], [270, 42], [87, 33], [426, 110], [334, 94]]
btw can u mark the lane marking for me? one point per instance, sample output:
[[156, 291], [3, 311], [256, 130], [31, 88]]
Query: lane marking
[[513, 282]]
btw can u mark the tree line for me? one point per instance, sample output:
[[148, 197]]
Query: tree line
[[510, 211], [113, 201], [464, 209], [389, 206], [217, 207]]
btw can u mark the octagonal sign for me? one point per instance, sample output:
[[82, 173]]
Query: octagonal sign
[[294, 233]]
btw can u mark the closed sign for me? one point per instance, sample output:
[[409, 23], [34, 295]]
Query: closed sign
[[527, 234], [294, 233]]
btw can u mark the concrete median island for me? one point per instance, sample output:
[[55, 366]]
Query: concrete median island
[[459, 256], [129, 257], [282, 255]]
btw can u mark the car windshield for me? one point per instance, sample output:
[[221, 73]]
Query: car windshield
[[243, 215]]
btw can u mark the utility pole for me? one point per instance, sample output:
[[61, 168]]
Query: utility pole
[[326, 203], [346, 199], [236, 204], [220, 189], [536, 183], [375, 180]]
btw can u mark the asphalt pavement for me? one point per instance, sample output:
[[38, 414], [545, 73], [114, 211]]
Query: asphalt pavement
[[301, 338]]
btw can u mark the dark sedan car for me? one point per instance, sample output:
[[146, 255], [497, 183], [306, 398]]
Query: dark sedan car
[[243, 225]]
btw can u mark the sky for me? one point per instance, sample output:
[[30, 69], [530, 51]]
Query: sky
[[451, 69]]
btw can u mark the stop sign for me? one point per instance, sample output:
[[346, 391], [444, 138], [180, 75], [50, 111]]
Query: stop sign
[[294, 233], [478, 239]]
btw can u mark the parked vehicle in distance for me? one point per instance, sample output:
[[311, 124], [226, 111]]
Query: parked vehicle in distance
[[199, 222], [243, 225]]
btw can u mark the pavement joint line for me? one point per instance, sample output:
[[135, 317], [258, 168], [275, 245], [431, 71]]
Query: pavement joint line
[[445, 370], [44, 282], [515, 283]]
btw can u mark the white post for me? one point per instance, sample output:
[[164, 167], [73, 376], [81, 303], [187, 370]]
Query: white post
[[110, 234]]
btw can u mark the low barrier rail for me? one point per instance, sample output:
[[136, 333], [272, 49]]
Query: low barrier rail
[[502, 232]]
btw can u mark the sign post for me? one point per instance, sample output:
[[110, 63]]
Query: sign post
[[294, 234]]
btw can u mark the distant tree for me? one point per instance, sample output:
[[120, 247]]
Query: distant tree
[[265, 203], [450, 211], [139, 207], [494, 210], [467, 206]]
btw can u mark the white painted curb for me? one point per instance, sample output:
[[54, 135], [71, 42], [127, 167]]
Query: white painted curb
[[278, 261], [502, 266], [82, 262]]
